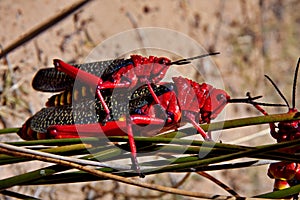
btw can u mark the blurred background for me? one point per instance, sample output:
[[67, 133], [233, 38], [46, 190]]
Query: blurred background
[[254, 38]]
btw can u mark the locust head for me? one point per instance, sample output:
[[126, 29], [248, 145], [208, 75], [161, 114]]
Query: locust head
[[215, 102], [153, 69], [201, 100]]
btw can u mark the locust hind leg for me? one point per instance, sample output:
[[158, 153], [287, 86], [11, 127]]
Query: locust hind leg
[[207, 137], [191, 119], [86, 78]]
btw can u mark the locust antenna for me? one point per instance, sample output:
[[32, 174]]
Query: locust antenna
[[188, 60], [251, 99], [278, 91], [295, 84], [243, 100]]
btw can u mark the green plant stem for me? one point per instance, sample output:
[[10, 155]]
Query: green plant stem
[[17, 195], [79, 176], [57, 142], [251, 121], [280, 193], [212, 152], [9, 130], [62, 150], [45, 172], [247, 153], [27, 177], [235, 123]]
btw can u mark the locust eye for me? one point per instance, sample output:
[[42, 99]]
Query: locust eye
[[163, 61], [221, 97]]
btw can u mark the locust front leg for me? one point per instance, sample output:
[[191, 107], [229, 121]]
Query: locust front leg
[[191, 118]]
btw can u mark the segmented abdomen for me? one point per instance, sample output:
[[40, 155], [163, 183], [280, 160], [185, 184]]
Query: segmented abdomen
[[89, 111], [66, 97]]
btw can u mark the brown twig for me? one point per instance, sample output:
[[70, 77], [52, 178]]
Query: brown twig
[[43, 26], [62, 158], [154, 196], [219, 183]]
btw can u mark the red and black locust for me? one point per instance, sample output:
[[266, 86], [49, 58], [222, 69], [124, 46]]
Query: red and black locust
[[118, 73], [147, 110]]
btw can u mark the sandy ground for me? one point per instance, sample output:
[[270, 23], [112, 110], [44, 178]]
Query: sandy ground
[[254, 38]]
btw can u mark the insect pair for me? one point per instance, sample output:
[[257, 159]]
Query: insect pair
[[122, 97], [286, 174]]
